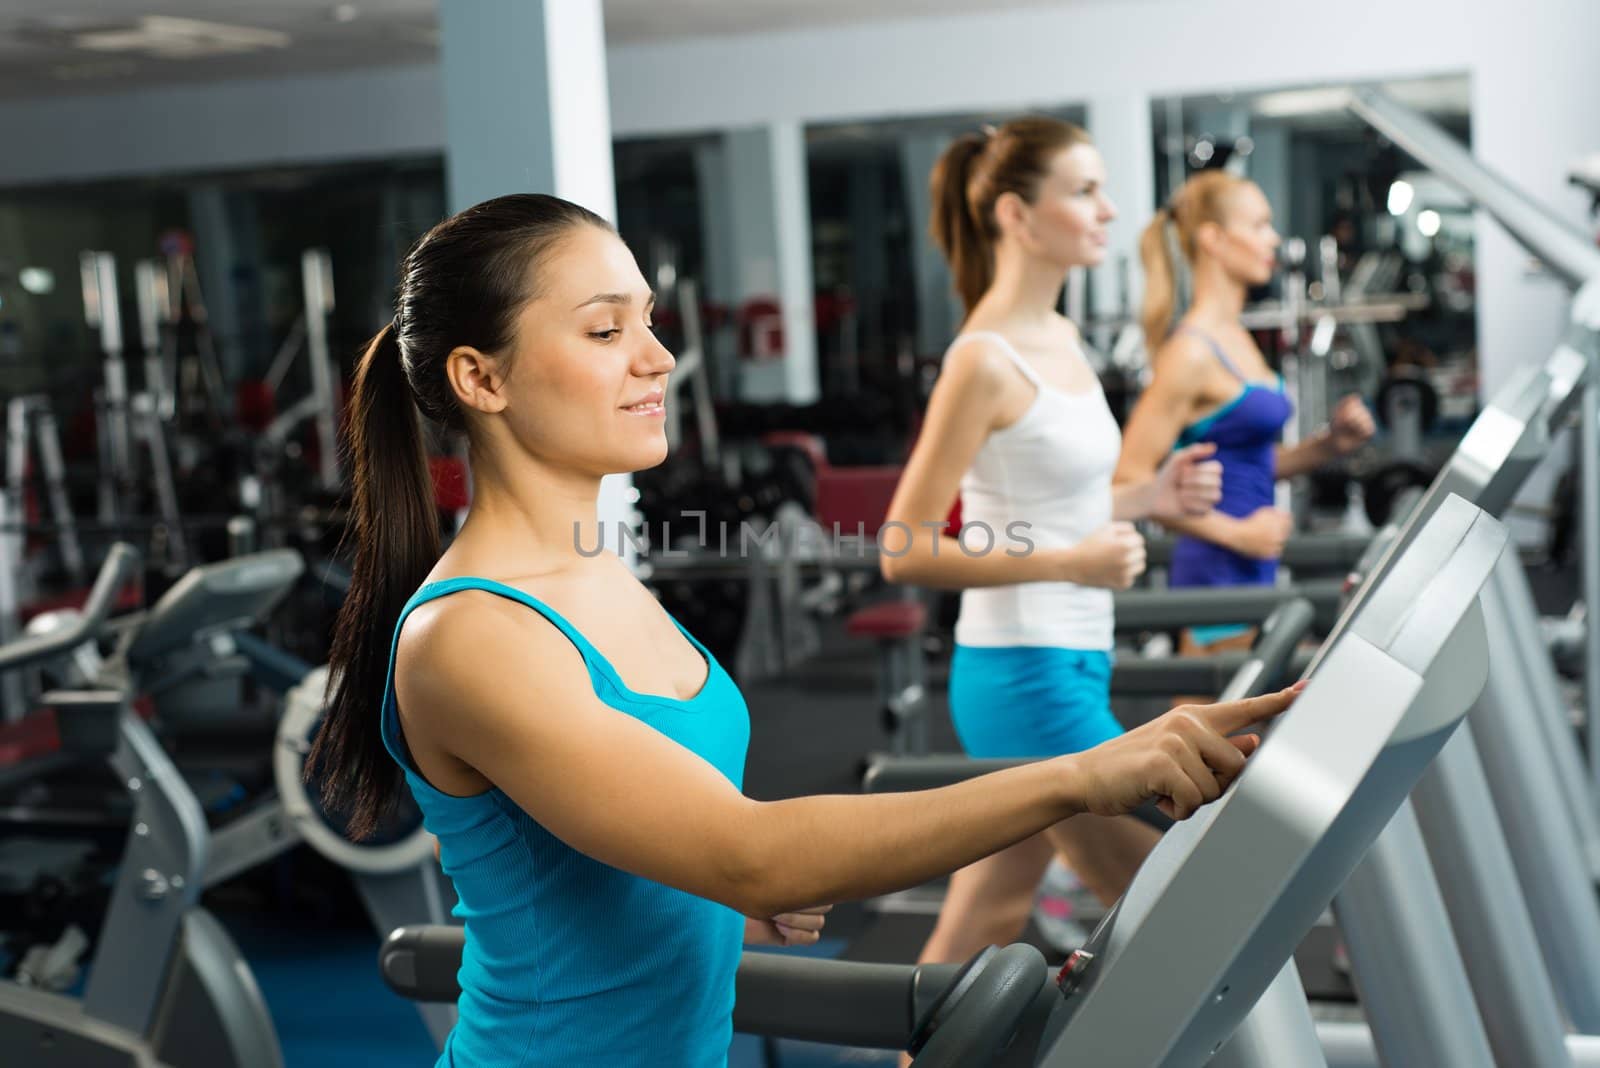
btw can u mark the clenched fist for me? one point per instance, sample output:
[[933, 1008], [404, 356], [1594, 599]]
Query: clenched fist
[[1261, 534], [1189, 483], [1350, 426], [1111, 558]]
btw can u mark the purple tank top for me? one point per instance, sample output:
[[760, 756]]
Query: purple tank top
[[1246, 432]]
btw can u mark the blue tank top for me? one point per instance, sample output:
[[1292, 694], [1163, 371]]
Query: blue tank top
[[1246, 432], [568, 961]]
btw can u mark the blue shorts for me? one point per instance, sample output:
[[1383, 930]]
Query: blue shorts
[[1031, 700], [1216, 632]]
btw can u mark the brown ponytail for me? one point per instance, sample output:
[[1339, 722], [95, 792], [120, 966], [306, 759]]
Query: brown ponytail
[[972, 174], [955, 229], [464, 283]]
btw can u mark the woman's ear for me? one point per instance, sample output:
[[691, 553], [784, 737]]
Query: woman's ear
[[1208, 238], [476, 379], [1010, 213]]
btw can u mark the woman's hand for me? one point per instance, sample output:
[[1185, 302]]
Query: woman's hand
[[1261, 534], [1110, 558], [801, 928], [1351, 425], [1189, 482], [1182, 760]]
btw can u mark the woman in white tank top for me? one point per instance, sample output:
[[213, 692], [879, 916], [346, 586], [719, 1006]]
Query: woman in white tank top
[[1018, 424]]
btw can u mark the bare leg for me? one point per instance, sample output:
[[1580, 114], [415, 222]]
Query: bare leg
[[1104, 853], [988, 902], [1187, 646]]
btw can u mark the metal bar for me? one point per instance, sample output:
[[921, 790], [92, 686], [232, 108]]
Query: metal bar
[[1157, 609], [286, 353], [1349, 1045], [149, 281], [12, 690], [1388, 308], [181, 266], [1565, 251], [53, 467], [1277, 1031], [1488, 913], [1323, 553], [316, 271], [1549, 709], [13, 685], [102, 310], [258, 836], [155, 302], [1589, 477], [705, 412], [1407, 969], [1549, 863], [1293, 363], [158, 881], [155, 442]]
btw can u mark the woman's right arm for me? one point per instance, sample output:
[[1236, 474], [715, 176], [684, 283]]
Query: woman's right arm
[[1169, 403], [964, 408], [515, 703]]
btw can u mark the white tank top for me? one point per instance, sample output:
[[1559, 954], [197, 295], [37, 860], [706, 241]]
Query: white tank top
[[1051, 470]]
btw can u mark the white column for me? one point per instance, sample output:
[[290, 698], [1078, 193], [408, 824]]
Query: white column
[[1121, 128], [791, 199], [526, 111], [769, 208]]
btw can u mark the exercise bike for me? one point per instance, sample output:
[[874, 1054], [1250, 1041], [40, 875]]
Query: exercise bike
[[167, 987]]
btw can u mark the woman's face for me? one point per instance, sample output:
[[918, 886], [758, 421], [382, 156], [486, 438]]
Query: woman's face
[[587, 379], [1245, 244], [1066, 223]]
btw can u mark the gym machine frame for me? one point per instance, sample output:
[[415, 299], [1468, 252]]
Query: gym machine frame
[[161, 957]]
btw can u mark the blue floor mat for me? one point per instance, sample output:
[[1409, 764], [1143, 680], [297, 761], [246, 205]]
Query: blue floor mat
[[330, 1007]]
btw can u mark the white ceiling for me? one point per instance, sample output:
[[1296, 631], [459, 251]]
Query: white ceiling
[[645, 20], [40, 54], [43, 42]]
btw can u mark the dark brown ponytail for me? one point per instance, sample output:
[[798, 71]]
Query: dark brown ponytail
[[396, 530], [972, 174], [464, 283], [955, 229]]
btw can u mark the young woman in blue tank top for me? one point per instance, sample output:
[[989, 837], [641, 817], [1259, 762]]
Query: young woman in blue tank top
[[576, 752], [1017, 423], [1211, 384]]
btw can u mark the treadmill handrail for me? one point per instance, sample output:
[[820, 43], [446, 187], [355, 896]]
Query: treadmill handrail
[[1157, 609], [778, 994], [1314, 553], [120, 564], [1271, 655]]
